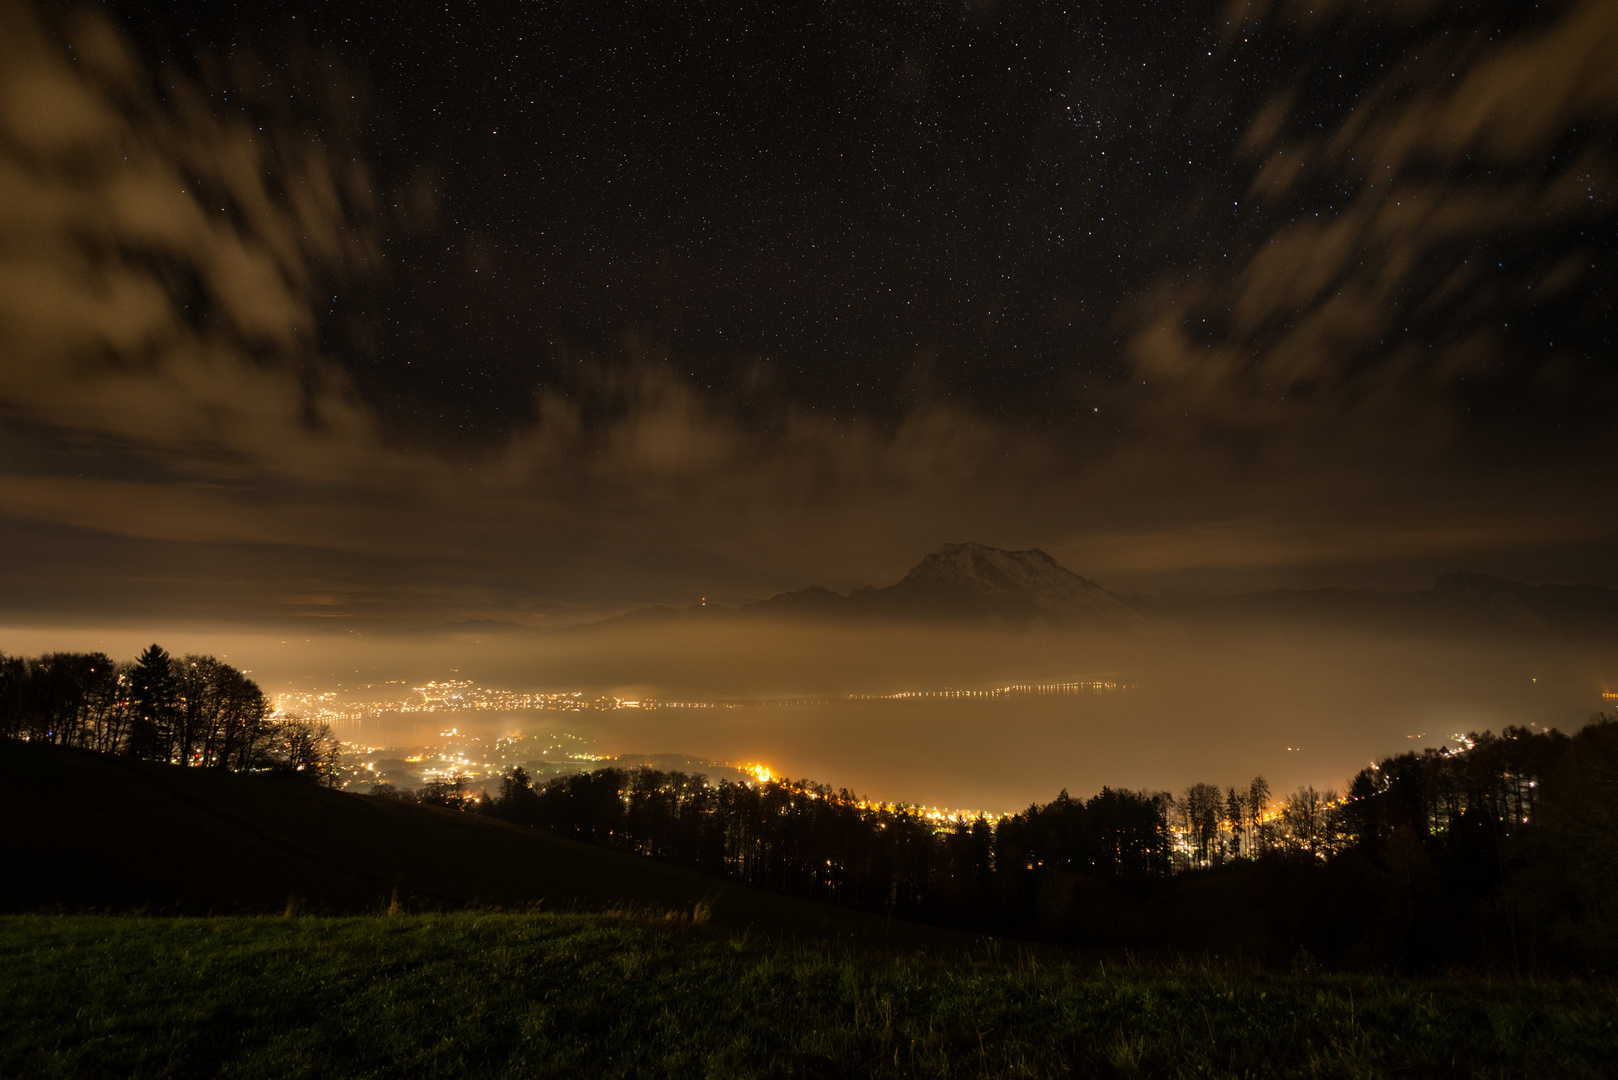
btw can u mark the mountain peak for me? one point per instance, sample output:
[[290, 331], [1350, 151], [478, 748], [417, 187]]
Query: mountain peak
[[986, 569], [1019, 586], [971, 580]]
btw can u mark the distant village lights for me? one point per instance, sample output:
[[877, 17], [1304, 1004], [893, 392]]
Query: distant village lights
[[461, 695]]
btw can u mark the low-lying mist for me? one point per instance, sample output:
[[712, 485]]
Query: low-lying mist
[[1299, 703]]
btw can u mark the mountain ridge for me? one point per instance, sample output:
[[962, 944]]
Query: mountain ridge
[[1459, 600], [973, 582], [970, 580]]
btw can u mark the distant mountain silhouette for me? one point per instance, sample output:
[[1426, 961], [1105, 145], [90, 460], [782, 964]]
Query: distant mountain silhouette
[[1530, 607], [974, 582], [968, 581], [1458, 601]]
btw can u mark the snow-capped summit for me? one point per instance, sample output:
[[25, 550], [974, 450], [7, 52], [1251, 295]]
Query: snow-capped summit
[[975, 581]]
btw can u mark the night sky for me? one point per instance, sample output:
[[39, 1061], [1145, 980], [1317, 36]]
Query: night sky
[[387, 313]]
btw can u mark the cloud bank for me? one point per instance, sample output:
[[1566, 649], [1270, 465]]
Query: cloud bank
[[167, 248]]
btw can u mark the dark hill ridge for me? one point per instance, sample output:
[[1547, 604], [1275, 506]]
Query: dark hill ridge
[[1531, 607], [85, 831]]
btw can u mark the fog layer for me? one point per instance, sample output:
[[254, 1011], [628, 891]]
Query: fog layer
[[1298, 703]]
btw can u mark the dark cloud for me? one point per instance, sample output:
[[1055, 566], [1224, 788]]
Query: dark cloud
[[296, 344], [1442, 248]]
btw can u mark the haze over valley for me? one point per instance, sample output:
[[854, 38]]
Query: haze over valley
[[972, 683]]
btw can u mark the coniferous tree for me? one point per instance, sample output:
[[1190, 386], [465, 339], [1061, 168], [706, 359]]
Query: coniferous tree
[[154, 701]]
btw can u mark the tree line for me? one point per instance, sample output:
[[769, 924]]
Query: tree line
[[192, 710], [1506, 845]]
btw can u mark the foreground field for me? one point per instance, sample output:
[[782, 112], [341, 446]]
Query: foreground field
[[613, 995]]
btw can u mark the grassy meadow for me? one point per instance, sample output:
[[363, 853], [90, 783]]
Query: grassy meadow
[[493, 995]]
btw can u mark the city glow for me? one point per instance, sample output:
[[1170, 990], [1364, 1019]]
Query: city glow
[[462, 695]]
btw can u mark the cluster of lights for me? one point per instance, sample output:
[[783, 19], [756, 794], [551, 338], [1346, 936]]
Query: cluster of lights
[[454, 695], [1094, 686], [463, 695], [763, 774]]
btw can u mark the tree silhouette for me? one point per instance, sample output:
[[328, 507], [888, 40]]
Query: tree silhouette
[[1307, 823], [154, 699], [1258, 802], [1199, 810], [301, 749], [1236, 818]]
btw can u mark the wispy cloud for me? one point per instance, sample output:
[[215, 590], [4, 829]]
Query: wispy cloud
[[164, 258]]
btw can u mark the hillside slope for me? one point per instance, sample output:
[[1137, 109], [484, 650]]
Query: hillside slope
[[88, 831]]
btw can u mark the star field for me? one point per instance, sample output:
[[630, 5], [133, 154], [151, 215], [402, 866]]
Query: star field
[[507, 306], [863, 202]]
